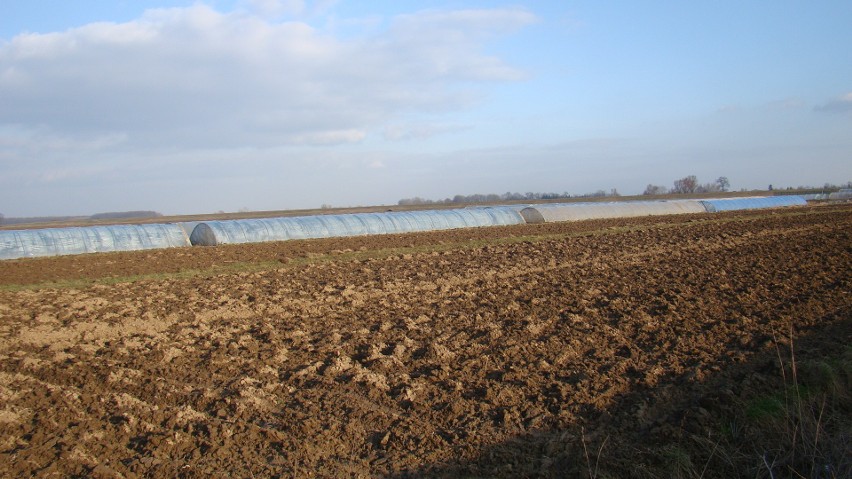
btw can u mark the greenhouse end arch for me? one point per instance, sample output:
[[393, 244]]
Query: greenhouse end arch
[[91, 239]]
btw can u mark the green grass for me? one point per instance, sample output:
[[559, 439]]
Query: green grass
[[799, 428], [767, 407]]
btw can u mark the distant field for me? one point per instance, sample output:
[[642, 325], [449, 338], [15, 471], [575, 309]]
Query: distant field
[[85, 221], [621, 347]]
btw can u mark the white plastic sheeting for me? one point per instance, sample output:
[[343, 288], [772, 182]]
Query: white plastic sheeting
[[555, 212], [517, 207], [210, 233], [844, 194], [91, 239], [815, 196], [188, 226], [752, 202]]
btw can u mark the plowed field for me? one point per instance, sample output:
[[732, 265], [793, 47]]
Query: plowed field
[[514, 351]]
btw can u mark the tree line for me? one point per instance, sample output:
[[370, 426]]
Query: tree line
[[689, 184], [685, 185], [117, 215], [508, 196]]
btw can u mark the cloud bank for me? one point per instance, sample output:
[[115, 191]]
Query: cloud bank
[[196, 77], [842, 104], [284, 104]]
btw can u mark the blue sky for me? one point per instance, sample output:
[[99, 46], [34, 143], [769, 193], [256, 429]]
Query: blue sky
[[195, 107]]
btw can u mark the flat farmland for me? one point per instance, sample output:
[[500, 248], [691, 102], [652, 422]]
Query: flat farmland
[[609, 348]]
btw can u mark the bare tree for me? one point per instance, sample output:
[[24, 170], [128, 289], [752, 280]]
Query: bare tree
[[655, 190], [723, 183], [687, 184]]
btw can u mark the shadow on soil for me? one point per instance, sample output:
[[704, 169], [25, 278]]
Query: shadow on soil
[[731, 424]]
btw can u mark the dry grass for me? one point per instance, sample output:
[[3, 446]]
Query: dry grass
[[805, 430], [800, 429]]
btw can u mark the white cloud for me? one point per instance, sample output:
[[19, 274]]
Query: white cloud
[[453, 37], [329, 137], [841, 104], [418, 131], [31, 143], [196, 77], [291, 8], [786, 104], [277, 7], [191, 97]]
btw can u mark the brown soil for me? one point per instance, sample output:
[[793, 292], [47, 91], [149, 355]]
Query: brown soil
[[489, 352]]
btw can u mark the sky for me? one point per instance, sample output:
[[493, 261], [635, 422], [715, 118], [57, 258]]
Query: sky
[[186, 107]]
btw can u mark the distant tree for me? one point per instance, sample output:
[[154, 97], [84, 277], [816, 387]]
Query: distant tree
[[723, 183], [1, 218], [655, 190], [614, 192], [707, 188], [125, 214], [412, 201], [493, 198], [687, 184]]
